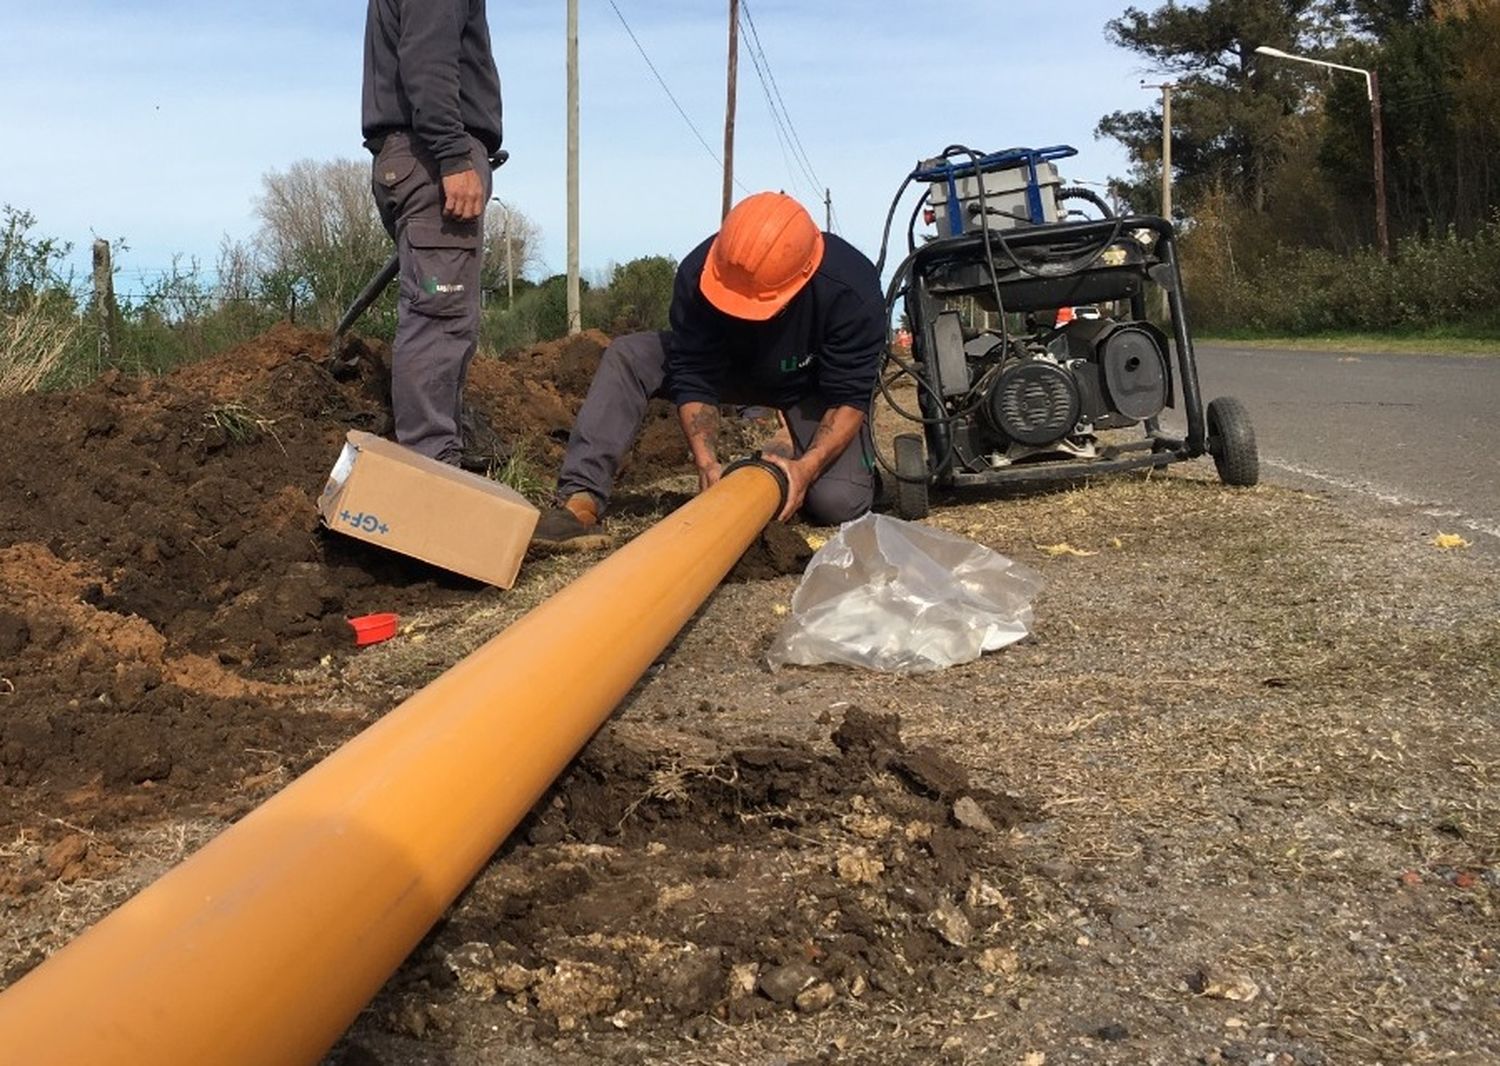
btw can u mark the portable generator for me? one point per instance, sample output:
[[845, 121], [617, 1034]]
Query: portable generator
[[1032, 352]]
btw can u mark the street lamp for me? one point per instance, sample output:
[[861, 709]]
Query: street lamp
[[510, 270], [1372, 92]]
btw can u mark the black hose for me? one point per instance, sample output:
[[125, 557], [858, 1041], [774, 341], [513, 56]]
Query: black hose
[[975, 395], [890, 216], [1074, 192], [898, 288]]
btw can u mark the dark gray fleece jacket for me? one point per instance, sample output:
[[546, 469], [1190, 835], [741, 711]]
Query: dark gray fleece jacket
[[429, 69]]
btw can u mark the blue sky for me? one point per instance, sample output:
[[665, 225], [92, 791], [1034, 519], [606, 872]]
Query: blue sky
[[154, 120]]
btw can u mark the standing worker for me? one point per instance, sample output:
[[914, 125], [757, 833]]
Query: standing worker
[[770, 311], [432, 119]]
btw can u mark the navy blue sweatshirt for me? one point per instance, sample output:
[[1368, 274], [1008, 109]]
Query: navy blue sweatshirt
[[429, 69], [827, 340]]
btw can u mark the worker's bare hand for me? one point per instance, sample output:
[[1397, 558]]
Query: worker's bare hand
[[708, 475], [798, 479], [463, 195]]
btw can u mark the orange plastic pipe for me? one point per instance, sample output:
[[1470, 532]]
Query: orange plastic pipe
[[264, 946]]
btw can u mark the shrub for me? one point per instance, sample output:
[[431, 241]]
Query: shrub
[[1442, 282]]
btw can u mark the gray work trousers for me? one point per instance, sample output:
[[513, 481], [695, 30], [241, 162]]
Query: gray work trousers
[[437, 325], [631, 374]]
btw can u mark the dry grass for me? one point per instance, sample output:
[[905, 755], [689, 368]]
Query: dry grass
[[240, 424], [34, 341], [1245, 716], [120, 864], [1243, 719]]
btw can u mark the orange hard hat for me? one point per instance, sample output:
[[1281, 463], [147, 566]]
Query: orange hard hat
[[766, 250]]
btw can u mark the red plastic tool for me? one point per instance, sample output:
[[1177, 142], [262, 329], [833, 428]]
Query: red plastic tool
[[373, 628]]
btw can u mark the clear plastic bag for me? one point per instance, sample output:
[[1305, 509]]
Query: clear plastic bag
[[904, 598]]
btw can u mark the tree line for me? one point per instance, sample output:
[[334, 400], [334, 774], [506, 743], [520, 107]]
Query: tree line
[[318, 242], [1272, 160]]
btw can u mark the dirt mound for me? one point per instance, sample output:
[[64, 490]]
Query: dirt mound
[[162, 568], [189, 499], [533, 396], [778, 550], [668, 884]]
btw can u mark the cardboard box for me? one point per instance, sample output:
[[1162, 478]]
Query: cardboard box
[[383, 493]]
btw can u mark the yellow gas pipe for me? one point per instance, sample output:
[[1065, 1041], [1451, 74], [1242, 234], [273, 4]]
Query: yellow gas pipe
[[264, 946]]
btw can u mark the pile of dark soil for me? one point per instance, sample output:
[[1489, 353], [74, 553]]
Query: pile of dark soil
[[163, 573], [678, 885], [532, 396]]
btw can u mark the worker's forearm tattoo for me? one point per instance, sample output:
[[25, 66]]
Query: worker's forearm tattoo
[[823, 432], [704, 425]]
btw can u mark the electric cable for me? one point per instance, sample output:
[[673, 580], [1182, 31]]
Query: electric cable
[[664, 88], [778, 120], [796, 140], [975, 394], [1074, 192]]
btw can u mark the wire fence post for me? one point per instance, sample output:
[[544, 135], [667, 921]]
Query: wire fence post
[[105, 312]]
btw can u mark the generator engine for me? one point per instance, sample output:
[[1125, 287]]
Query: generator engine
[[1027, 336], [1013, 398]]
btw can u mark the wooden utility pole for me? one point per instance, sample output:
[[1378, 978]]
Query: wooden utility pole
[[1382, 225], [575, 305], [1166, 152], [1166, 174], [729, 100], [1166, 147], [104, 301], [828, 209]]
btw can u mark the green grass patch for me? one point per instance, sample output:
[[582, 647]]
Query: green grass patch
[[1448, 341], [522, 471]]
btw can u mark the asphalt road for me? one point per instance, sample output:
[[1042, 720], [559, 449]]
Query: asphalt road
[[1414, 432]]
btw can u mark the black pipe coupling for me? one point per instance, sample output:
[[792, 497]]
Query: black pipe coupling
[[754, 459]]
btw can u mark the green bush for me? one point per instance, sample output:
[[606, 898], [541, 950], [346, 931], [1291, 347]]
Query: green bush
[[1448, 282], [637, 297], [540, 313]]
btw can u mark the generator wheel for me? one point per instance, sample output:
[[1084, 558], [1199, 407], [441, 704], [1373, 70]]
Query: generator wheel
[[1231, 441], [911, 480]]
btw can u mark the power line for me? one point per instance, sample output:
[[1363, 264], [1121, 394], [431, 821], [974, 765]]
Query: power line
[[783, 137], [796, 141], [662, 82]]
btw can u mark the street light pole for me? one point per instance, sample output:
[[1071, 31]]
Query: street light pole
[[510, 268], [510, 265], [1372, 92]]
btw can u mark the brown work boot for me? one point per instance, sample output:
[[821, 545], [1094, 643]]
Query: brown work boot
[[571, 527]]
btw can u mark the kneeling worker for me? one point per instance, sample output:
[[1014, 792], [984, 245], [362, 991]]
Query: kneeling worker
[[768, 312]]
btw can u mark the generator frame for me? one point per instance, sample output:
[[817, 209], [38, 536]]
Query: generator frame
[[1122, 268]]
